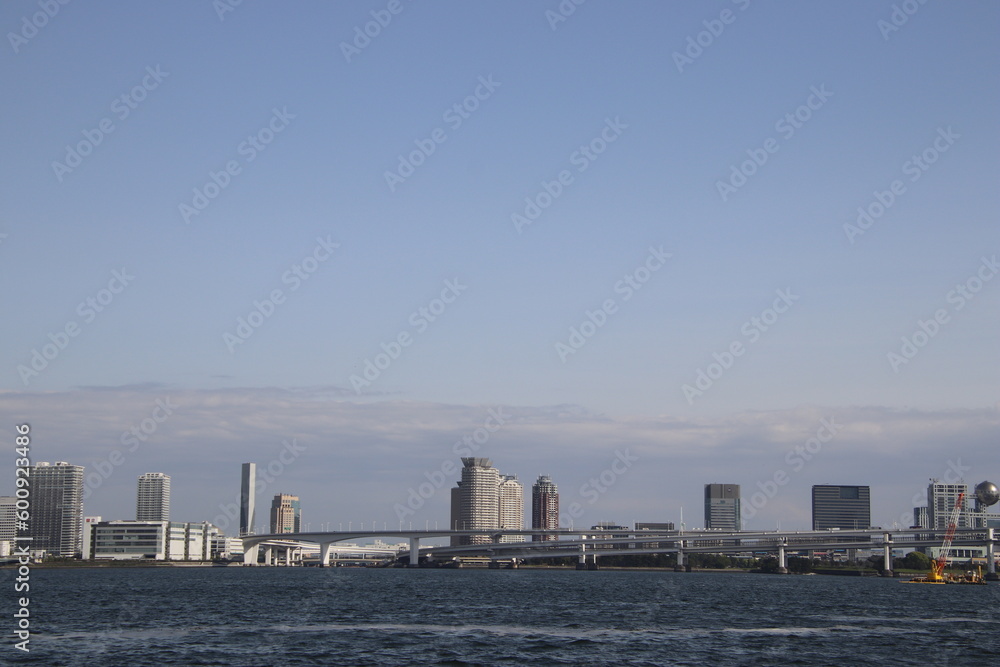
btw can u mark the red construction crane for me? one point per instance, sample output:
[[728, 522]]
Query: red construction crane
[[942, 559]]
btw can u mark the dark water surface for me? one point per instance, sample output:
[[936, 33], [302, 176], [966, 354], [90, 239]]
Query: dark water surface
[[341, 616]]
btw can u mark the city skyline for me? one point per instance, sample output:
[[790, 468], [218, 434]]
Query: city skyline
[[709, 249], [490, 500]]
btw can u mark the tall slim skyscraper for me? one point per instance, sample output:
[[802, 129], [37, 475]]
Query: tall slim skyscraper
[[286, 514], [722, 507], [248, 494], [843, 507], [56, 521], [511, 506], [544, 507], [152, 497], [478, 499]]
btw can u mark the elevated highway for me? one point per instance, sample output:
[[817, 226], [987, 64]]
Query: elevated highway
[[588, 544]]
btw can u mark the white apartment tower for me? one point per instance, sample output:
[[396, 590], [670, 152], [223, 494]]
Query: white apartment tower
[[152, 497], [510, 494], [477, 499]]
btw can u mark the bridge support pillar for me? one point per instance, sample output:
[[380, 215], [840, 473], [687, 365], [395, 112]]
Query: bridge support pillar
[[782, 560], [991, 555], [250, 555], [581, 563], [324, 554], [681, 559], [887, 556], [414, 551], [593, 563], [268, 552]]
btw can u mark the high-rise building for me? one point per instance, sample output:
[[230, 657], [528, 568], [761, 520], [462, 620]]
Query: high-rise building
[[722, 507], [511, 507], [478, 499], [920, 519], [843, 507], [8, 510], [152, 497], [56, 521], [248, 494], [544, 508], [941, 499], [286, 514]]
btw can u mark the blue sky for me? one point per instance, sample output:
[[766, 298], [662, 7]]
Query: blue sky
[[335, 126]]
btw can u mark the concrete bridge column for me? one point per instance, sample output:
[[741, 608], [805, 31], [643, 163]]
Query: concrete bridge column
[[324, 554], [288, 556], [267, 555], [414, 551], [593, 562], [581, 562], [250, 555], [681, 559], [887, 556], [782, 561], [991, 556]]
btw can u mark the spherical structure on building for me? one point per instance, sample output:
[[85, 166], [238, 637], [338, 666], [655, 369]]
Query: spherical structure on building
[[987, 493]]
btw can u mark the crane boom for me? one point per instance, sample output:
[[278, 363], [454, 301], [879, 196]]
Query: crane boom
[[942, 559]]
